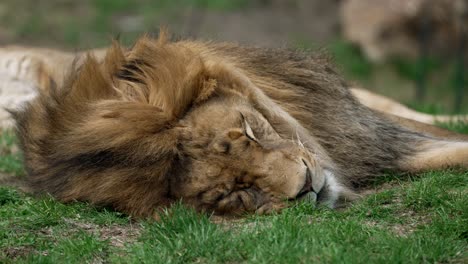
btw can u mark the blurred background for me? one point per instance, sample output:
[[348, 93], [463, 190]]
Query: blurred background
[[414, 51]]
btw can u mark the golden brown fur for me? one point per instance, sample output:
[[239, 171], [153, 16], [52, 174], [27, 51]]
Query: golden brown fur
[[221, 127]]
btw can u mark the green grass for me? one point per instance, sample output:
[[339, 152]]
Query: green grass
[[418, 219], [11, 160], [423, 220]]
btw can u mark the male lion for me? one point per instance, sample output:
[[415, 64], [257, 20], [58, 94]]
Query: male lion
[[224, 128]]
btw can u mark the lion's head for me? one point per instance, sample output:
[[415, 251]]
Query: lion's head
[[153, 125], [232, 160]]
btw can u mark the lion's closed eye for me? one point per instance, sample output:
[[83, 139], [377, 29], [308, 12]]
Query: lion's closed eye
[[248, 129], [249, 132]]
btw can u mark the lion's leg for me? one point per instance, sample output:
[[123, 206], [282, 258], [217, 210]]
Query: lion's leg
[[37, 66], [20, 77], [437, 154], [427, 129], [33, 65], [387, 105], [415, 121], [23, 70], [442, 149]]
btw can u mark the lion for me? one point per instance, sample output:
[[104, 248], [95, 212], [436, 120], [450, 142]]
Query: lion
[[222, 128]]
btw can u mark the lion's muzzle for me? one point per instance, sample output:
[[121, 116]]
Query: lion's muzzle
[[313, 184]]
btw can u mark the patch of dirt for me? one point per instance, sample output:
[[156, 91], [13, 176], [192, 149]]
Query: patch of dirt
[[117, 235], [13, 253], [413, 221], [237, 224]]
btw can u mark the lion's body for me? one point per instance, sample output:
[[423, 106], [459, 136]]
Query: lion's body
[[308, 89], [160, 122]]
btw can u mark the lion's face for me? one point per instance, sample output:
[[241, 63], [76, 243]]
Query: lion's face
[[234, 161]]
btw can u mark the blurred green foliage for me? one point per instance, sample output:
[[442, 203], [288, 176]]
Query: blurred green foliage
[[411, 69], [354, 64], [111, 6], [436, 74]]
